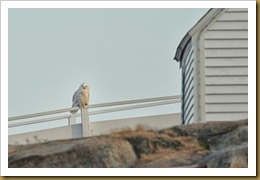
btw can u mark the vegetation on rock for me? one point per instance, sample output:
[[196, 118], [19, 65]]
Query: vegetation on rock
[[212, 144]]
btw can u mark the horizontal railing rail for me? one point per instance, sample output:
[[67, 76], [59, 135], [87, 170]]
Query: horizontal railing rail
[[131, 107], [149, 102], [39, 121], [42, 114]]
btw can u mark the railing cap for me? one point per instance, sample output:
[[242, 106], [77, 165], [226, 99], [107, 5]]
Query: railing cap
[[177, 97]]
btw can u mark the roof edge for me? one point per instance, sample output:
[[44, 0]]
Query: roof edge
[[180, 49], [204, 21]]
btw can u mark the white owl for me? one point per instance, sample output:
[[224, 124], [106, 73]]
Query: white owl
[[80, 97]]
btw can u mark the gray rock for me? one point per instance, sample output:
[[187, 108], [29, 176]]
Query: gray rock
[[236, 156], [212, 145], [89, 152]]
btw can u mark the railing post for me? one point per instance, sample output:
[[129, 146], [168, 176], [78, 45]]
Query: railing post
[[72, 119], [85, 121]]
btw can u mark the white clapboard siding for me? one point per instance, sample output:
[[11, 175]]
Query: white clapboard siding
[[226, 116], [225, 107], [226, 62], [237, 10], [225, 52], [228, 80], [216, 88], [226, 66], [233, 17], [226, 98], [228, 26], [228, 71], [236, 43], [226, 89], [235, 34]]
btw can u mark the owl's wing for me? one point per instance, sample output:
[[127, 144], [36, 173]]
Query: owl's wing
[[76, 98]]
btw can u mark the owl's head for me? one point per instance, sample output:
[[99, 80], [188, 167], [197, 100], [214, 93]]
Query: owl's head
[[84, 86]]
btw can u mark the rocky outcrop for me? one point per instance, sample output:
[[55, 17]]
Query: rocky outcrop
[[226, 142], [215, 144], [89, 152]]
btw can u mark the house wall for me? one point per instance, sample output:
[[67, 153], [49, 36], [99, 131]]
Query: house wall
[[226, 66], [188, 85]]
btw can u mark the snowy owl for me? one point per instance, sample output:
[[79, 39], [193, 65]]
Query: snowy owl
[[80, 97]]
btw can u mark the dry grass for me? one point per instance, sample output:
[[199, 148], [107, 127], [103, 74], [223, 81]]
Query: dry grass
[[160, 149], [137, 128], [123, 130], [163, 157], [189, 146]]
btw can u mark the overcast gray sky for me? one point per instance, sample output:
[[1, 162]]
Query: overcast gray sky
[[122, 54]]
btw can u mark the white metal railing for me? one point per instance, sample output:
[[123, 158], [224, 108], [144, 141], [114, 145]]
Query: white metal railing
[[149, 102]]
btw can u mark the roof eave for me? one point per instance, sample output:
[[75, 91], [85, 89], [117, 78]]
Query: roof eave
[[205, 20], [201, 24], [181, 47]]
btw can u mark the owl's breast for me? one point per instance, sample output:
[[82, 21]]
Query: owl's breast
[[84, 98]]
